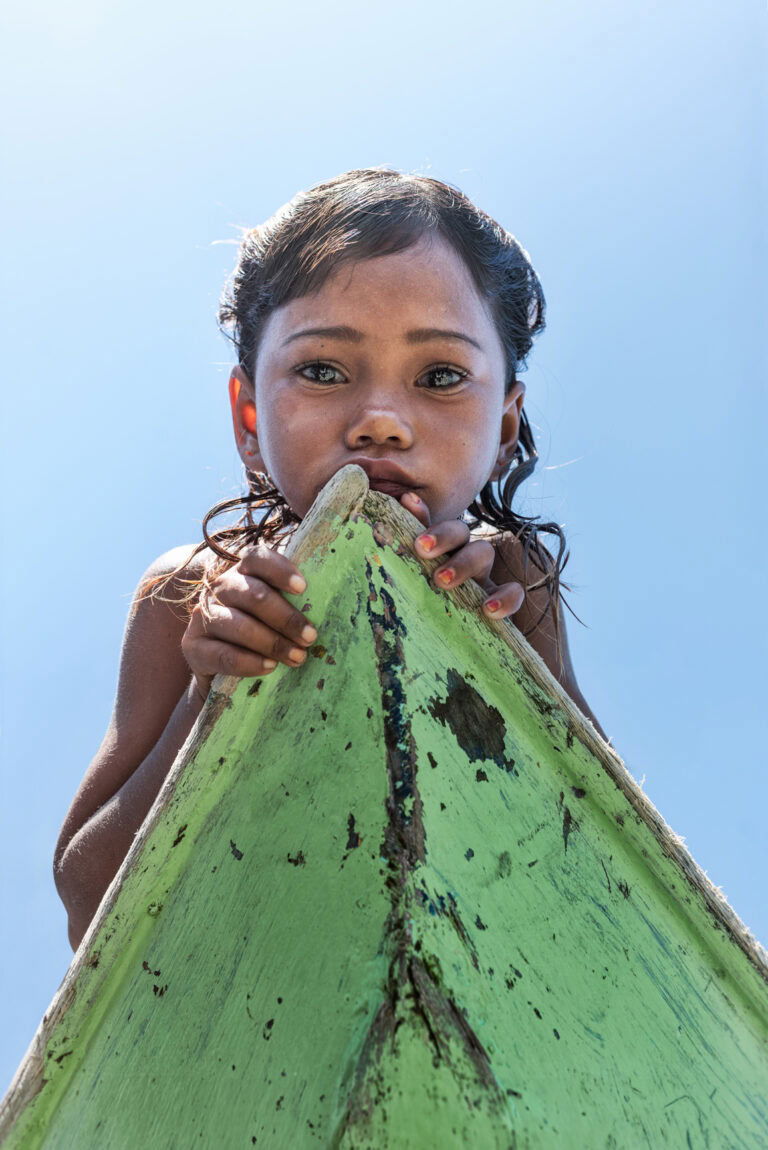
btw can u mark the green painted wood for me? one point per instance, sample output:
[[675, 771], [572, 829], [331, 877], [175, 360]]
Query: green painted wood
[[401, 897]]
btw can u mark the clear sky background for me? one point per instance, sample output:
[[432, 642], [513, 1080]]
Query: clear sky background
[[624, 144]]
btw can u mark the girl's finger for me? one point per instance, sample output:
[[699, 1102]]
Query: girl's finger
[[505, 600], [274, 569], [473, 561], [442, 538], [416, 505], [219, 658], [240, 630], [255, 598]]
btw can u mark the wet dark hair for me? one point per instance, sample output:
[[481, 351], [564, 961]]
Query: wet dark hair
[[359, 215]]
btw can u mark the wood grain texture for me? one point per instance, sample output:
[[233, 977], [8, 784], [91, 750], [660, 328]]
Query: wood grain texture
[[404, 896]]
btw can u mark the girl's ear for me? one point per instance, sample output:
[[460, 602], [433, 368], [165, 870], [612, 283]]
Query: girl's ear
[[244, 419], [510, 427]]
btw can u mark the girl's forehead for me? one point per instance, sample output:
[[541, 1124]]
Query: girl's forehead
[[425, 283], [432, 261]]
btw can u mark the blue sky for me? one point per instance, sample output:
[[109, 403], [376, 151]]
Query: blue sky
[[623, 144]]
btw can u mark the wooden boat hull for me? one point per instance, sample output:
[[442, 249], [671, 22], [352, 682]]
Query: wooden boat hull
[[401, 897]]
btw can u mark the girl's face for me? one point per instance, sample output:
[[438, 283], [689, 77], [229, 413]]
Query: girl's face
[[395, 358]]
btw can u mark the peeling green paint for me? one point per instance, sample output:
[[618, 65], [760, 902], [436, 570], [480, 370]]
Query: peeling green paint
[[401, 897]]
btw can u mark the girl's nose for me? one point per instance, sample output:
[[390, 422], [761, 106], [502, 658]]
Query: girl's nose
[[378, 425]]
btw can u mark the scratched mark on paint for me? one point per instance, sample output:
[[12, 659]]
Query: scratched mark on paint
[[570, 824]]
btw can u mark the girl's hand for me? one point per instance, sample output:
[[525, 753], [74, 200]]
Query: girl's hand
[[246, 626], [465, 560]]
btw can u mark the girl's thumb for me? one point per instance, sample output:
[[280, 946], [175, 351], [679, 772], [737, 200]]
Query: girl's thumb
[[411, 502]]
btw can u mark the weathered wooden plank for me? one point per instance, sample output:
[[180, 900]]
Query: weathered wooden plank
[[403, 896]]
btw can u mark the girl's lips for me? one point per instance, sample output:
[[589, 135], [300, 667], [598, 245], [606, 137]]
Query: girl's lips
[[389, 487]]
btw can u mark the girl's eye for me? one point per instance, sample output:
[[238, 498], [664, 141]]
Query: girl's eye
[[326, 373], [441, 371]]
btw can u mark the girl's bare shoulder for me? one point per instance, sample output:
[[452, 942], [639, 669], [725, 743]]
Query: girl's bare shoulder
[[184, 561], [153, 675], [153, 671], [157, 619], [189, 562]]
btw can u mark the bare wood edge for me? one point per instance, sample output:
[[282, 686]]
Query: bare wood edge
[[347, 496]]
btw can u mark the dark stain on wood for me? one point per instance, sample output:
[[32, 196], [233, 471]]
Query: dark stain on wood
[[179, 835], [416, 985], [383, 534], [238, 854], [353, 838], [413, 985], [478, 727], [403, 845], [297, 860], [569, 824], [217, 703]]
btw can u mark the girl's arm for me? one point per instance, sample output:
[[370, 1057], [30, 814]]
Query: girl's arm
[[155, 708], [168, 661], [535, 620]]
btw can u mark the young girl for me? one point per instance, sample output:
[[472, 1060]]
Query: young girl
[[379, 319]]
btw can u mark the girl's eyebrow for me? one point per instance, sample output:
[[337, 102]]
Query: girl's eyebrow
[[352, 335]]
